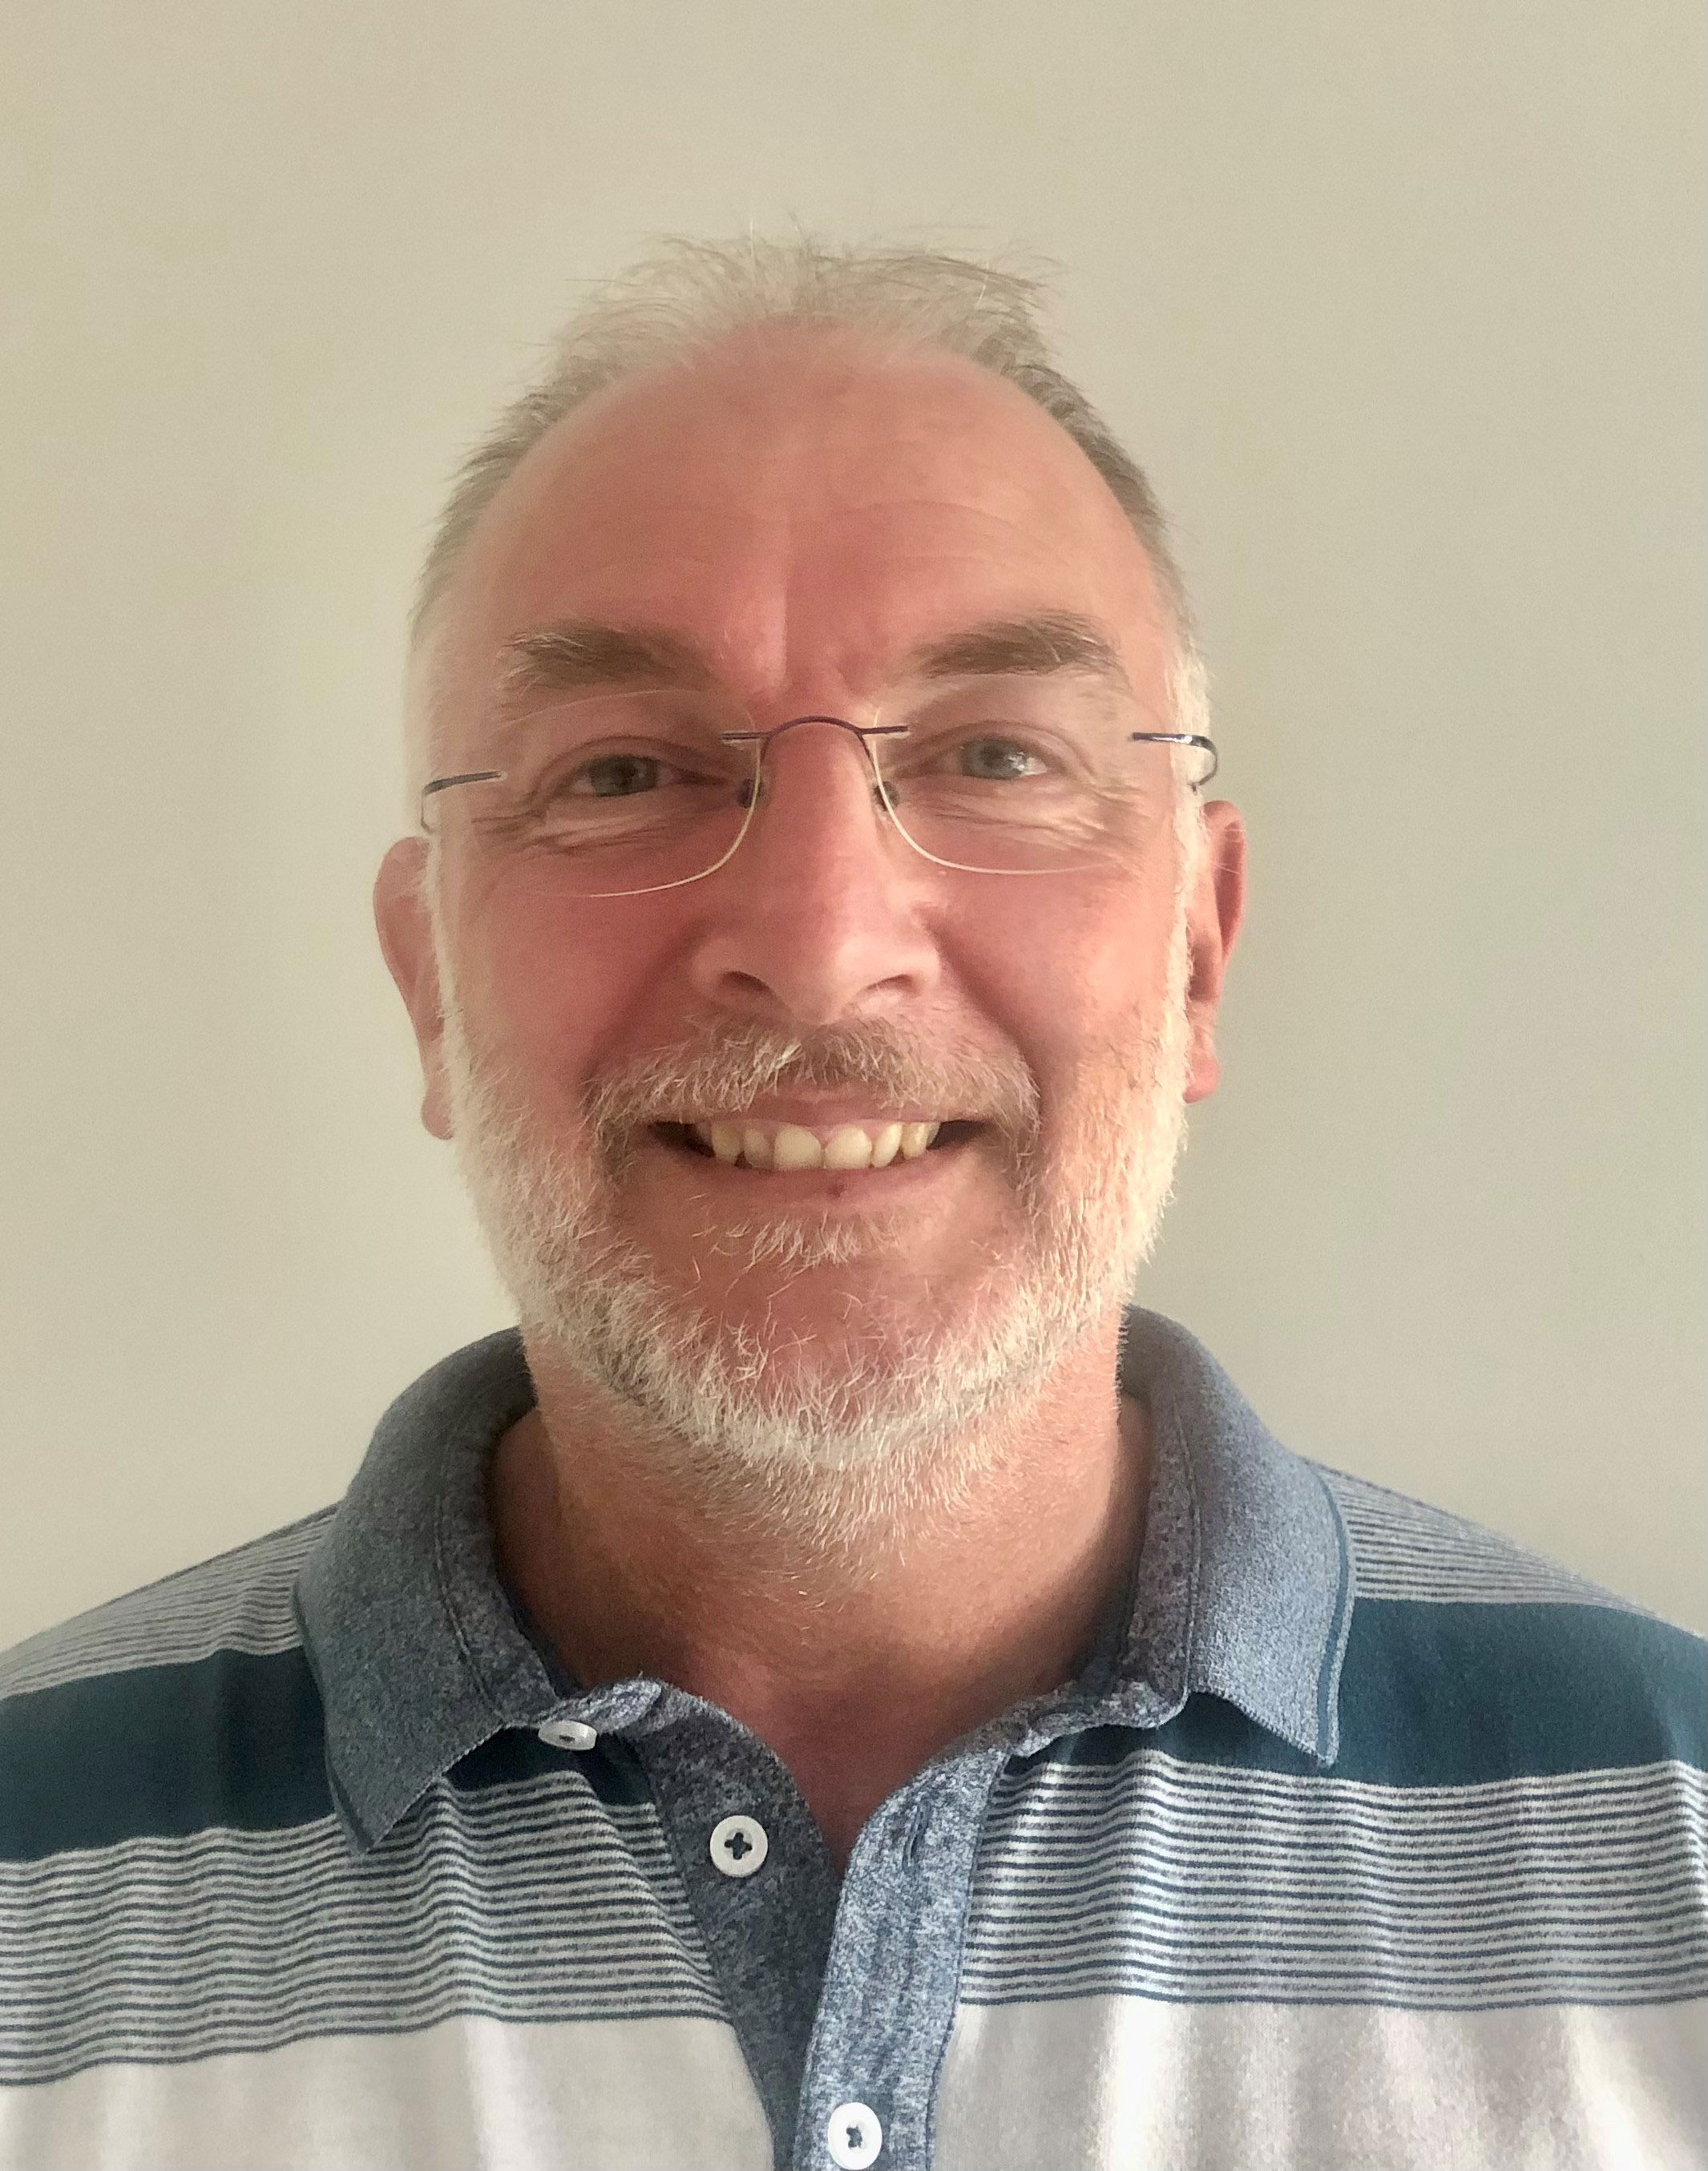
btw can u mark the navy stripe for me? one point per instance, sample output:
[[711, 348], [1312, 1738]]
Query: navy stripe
[[1457, 1695], [235, 1739], [616, 1779], [162, 1751]]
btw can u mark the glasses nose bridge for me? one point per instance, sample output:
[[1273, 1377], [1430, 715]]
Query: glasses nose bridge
[[862, 735]]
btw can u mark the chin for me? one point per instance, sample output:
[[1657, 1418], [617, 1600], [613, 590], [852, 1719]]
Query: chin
[[804, 1368]]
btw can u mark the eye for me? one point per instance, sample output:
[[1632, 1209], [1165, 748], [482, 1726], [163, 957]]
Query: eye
[[995, 760], [614, 776]]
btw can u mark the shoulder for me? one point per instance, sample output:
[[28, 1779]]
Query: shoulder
[[1470, 1657], [1404, 1548], [185, 1704], [238, 1600]]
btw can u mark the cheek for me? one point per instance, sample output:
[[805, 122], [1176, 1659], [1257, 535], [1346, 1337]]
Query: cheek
[[1070, 970], [565, 987]]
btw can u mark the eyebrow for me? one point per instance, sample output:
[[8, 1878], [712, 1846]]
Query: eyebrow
[[582, 655], [1032, 646], [579, 656]]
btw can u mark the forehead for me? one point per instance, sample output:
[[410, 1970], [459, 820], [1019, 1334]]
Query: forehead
[[803, 508]]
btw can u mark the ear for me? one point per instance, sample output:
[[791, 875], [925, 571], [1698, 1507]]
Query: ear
[[406, 937], [1213, 917]]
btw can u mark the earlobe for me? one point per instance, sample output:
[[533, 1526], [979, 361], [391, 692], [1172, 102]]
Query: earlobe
[[404, 927]]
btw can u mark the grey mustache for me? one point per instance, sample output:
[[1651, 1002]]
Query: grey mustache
[[715, 1074]]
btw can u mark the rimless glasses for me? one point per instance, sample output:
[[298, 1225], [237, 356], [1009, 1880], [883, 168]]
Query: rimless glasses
[[634, 792]]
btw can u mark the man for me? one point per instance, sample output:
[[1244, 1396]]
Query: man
[[835, 1687]]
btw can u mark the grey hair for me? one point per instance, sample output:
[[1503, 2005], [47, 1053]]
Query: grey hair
[[691, 295]]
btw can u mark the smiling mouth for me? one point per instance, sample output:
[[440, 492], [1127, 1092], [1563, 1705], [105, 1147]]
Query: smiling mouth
[[787, 1149]]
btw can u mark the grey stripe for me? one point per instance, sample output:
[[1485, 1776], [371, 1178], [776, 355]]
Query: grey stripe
[[1402, 1548], [239, 1602], [1159, 1878], [528, 1902]]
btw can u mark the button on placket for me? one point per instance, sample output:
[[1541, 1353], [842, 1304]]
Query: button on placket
[[854, 2136], [571, 1734], [739, 1846]]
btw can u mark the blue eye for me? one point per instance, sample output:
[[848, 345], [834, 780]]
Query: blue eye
[[998, 760]]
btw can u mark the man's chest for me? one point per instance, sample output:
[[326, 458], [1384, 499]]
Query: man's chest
[[1126, 1963]]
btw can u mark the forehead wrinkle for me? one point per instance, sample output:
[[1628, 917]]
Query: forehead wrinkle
[[764, 634]]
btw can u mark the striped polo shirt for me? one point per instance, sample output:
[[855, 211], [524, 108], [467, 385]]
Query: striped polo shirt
[[1366, 1839]]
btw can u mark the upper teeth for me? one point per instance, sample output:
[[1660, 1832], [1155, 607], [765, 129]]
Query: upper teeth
[[791, 1146]]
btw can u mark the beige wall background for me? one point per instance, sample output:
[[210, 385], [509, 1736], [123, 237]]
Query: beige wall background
[[1401, 305]]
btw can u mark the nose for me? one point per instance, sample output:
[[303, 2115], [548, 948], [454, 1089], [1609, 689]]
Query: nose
[[818, 916]]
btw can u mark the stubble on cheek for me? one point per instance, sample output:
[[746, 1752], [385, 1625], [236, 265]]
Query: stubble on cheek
[[582, 1190]]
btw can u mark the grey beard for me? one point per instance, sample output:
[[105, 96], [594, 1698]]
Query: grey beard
[[908, 1418]]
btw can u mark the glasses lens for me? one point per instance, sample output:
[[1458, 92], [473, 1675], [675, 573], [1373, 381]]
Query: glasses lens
[[1026, 775], [619, 792]]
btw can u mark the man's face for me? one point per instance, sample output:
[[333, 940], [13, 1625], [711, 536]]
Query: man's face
[[803, 515]]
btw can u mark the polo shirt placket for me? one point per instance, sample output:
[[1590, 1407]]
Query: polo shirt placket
[[842, 1996]]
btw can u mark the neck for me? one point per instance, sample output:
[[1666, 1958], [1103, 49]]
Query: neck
[[855, 1660]]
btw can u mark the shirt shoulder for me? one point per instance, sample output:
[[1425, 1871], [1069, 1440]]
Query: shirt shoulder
[[1471, 1658], [239, 1601], [180, 1706], [1404, 1548]]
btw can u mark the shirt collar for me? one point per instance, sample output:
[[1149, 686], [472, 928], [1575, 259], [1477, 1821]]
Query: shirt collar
[[1241, 1589], [1248, 1538]]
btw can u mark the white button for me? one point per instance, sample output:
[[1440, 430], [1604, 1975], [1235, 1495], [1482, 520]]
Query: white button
[[739, 1846], [568, 1734], [854, 2136]]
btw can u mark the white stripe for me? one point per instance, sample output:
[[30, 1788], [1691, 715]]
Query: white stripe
[[1114, 2083], [621, 2095]]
